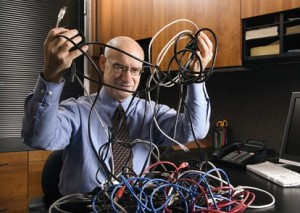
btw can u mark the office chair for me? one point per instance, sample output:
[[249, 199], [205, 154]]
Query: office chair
[[49, 181]]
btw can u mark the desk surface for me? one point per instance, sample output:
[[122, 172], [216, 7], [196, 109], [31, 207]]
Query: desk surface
[[286, 199]]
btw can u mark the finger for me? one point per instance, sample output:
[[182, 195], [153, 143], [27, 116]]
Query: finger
[[205, 45], [52, 35], [70, 34], [206, 39], [76, 53], [202, 46], [68, 45]]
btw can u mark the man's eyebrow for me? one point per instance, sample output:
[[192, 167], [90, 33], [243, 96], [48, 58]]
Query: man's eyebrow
[[119, 64]]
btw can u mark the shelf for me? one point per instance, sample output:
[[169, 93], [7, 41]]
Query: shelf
[[272, 59], [272, 38]]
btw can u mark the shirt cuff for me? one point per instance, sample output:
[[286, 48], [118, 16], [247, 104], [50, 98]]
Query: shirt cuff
[[48, 92]]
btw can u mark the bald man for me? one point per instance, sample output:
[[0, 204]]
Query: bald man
[[83, 132]]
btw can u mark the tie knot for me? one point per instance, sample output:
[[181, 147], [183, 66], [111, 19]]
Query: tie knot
[[118, 119], [119, 113]]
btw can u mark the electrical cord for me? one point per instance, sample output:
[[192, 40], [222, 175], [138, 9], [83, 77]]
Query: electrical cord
[[259, 190], [155, 122], [181, 194], [178, 190], [191, 184]]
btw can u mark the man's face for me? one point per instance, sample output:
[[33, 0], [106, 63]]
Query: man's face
[[122, 72]]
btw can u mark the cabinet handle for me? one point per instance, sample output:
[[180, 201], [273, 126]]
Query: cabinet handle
[[4, 210], [3, 164]]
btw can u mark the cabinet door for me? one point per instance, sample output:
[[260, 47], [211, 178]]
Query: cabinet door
[[250, 8], [36, 164], [142, 18], [165, 12], [13, 174], [13, 204], [13, 181], [223, 18], [123, 17]]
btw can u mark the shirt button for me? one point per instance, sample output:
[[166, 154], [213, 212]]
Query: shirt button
[[50, 93]]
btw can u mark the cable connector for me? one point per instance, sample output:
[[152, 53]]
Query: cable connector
[[192, 45], [183, 165], [184, 148], [119, 193], [61, 15], [239, 191]]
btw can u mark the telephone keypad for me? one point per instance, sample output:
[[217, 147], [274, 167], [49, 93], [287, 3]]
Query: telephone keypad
[[238, 156]]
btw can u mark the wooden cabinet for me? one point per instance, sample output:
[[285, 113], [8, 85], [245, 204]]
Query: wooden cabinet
[[165, 12], [13, 181], [123, 17], [143, 18], [20, 179], [250, 8], [223, 18]]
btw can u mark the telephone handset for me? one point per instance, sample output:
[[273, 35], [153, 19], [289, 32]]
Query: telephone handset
[[242, 153]]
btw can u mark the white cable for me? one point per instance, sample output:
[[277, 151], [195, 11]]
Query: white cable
[[159, 60], [169, 44], [63, 200], [157, 157], [161, 131], [91, 102], [161, 56], [162, 29], [149, 144], [260, 190], [61, 15], [213, 166], [206, 174]]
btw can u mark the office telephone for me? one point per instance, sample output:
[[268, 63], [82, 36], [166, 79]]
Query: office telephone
[[242, 153]]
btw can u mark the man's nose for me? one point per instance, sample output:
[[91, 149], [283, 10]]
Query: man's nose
[[126, 75]]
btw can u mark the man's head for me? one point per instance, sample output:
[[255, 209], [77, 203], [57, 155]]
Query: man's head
[[121, 70]]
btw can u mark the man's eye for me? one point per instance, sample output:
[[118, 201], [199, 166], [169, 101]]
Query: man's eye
[[135, 71], [120, 68]]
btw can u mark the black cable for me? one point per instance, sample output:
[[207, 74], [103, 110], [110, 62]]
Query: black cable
[[101, 161], [184, 76]]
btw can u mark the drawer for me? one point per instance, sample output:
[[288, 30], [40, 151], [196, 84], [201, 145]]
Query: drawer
[[38, 155], [36, 160], [13, 204], [13, 174], [34, 185]]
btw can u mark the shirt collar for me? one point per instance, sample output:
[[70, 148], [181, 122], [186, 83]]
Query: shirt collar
[[111, 104]]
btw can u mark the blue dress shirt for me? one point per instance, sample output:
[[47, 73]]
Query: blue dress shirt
[[50, 125]]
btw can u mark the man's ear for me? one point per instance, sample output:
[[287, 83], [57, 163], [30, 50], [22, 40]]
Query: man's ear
[[102, 62]]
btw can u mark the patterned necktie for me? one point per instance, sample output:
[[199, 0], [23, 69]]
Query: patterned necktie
[[121, 141]]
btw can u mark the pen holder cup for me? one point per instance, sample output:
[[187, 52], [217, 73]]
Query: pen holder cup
[[219, 136]]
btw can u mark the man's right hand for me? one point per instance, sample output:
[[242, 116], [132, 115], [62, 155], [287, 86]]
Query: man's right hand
[[57, 55]]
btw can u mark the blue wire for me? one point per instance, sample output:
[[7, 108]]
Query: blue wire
[[188, 192], [170, 185]]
